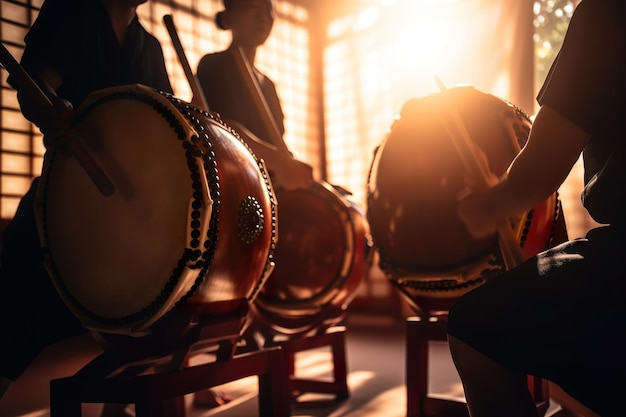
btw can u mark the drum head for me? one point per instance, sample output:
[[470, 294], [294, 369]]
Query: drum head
[[320, 259], [314, 248], [116, 255], [417, 176]]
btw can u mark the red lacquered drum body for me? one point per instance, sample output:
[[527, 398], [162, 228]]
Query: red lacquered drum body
[[321, 258], [415, 179], [191, 224]]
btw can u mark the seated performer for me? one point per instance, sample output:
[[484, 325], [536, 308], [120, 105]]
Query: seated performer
[[557, 316], [226, 92], [73, 48]]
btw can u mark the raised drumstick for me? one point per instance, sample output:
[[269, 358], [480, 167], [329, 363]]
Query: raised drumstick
[[247, 73], [29, 87], [198, 100], [511, 251]]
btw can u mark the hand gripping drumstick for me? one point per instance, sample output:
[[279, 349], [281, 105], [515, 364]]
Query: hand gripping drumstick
[[198, 99], [511, 251], [30, 88]]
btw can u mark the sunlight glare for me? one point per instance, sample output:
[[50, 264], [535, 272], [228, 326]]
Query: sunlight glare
[[365, 19], [426, 37], [358, 378]]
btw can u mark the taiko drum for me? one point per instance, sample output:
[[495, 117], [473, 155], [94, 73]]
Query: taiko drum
[[415, 180], [322, 256], [189, 230]]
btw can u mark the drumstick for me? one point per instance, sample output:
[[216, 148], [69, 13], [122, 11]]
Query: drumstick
[[247, 73], [511, 251], [30, 88], [199, 100]]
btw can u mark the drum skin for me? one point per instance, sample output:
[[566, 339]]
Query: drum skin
[[191, 226], [321, 257], [415, 179]]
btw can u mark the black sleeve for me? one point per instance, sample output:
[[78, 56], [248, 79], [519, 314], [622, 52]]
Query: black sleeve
[[156, 72], [45, 42], [587, 76]]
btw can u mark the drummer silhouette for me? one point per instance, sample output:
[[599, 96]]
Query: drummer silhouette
[[250, 23], [227, 90], [73, 48], [555, 316]]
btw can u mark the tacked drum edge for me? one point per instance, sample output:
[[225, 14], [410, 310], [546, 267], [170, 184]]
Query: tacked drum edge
[[191, 258]]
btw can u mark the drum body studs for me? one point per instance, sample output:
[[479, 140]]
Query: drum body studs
[[250, 219]]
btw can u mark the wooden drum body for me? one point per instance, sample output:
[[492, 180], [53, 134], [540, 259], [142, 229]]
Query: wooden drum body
[[321, 258], [191, 224], [415, 179]]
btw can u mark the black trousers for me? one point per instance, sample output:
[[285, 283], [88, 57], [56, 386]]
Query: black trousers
[[558, 316], [32, 314]]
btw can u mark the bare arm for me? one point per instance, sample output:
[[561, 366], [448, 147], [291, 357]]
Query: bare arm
[[554, 145]]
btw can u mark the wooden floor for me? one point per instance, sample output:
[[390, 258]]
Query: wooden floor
[[375, 354]]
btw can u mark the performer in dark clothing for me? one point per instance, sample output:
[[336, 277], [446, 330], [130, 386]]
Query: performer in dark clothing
[[232, 98], [73, 48], [558, 315], [226, 91]]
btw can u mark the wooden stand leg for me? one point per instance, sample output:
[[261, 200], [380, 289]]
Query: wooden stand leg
[[63, 402], [274, 395], [419, 332], [416, 367], [333, 338], [340, 366]]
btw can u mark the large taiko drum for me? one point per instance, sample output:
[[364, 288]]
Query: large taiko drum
[[190, 226], [414, 184], [321, 257]]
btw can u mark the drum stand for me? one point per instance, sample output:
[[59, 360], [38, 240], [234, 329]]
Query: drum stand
[[156, 382], [431, 326], [333, 337]]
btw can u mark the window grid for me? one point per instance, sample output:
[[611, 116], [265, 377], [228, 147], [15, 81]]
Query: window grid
[[20, 149], [285, 58]]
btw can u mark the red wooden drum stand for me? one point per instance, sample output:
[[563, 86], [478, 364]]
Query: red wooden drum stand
[[322, 256], [155, 380], [332, 337]]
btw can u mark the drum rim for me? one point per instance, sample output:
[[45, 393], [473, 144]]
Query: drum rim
[[403, 275], [193, 259], [312, 304]]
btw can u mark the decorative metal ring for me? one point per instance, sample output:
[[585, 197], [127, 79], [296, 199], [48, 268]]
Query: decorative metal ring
[[250, 219]]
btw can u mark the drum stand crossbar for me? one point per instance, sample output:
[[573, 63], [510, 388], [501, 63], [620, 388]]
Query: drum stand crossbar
[[420, 330], [121, 377], [333, 337]]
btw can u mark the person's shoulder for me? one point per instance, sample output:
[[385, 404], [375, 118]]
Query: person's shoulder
[[601, 9], [268, 81], [72, 8], [151, 40], [214, 56], [602, 17], [214, 61]]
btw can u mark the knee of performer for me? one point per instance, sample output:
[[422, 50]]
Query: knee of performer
[[458, 321], [4, 385]]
